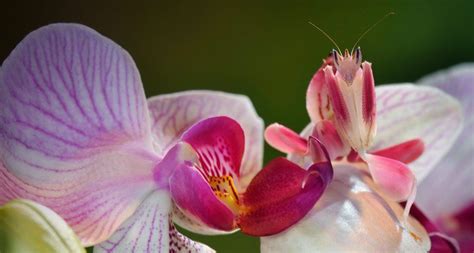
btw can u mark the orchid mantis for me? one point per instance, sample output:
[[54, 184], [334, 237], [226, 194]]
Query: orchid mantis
[[359, 210]]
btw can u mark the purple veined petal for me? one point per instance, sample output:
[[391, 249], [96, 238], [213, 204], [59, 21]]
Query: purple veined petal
[[74, 128], [173, 114], [351, 217], [95, 205], [149, 230], [407, 112], [448, 188]]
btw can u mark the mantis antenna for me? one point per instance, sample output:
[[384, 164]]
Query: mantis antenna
[[370, 28], [327, 35]]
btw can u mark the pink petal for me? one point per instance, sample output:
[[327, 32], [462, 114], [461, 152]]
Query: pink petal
[[444, 191], [394, 178], [327, 134], [150, 229], [281, 195], [285, 139], [405, 152], [75, 129], [195, 198], [318, 101], [220, 144], [407, 112], [173, 114]]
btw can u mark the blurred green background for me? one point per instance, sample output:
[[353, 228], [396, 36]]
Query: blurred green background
[[266, 50]]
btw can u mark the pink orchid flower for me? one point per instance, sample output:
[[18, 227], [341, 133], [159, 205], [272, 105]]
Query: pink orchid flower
[[359, 212], [78, 136]]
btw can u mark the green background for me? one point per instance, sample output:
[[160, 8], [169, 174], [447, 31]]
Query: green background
[[265, 50]]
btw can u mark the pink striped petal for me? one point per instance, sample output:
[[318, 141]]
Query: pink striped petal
[[220, 144], [150, 229], [414, 112], [147, 230], [325, 132], [173, 114], [405, 152], [281, 195], [74, 128], [444, 191], [350, 217], [195, 198], [285, 139], [394, 178], [318, 101]]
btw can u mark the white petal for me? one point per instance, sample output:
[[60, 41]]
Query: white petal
[[448, 188], [407, 112], [150, 230]]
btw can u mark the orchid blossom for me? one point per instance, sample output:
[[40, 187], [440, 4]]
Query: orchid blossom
[[47, 232], [77, 135], [359, 211], [446, 195]]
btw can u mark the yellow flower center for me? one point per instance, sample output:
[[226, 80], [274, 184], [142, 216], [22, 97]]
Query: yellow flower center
[[224, 189]]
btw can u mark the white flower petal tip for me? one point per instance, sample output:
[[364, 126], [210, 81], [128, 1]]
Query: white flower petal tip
[[29, 227]]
